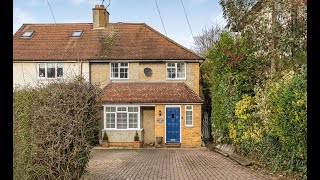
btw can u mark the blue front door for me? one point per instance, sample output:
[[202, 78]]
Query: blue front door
[[172, 125]]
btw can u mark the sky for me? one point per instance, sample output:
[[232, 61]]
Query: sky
[[201, 14]]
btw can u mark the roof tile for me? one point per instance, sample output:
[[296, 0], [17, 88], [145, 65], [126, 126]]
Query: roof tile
[[136, 41], [149, 92]]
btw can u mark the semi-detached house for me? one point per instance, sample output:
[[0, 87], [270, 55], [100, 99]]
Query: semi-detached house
[[150, 83]]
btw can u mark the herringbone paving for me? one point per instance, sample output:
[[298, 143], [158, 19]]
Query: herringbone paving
[[166, 164]]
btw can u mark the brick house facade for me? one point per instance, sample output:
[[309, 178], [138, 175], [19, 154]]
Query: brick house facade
[[150, 83]]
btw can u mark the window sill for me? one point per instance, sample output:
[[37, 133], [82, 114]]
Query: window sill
[[189, 126], [119, 79], [122, 129], [176, 79], [48, 79]]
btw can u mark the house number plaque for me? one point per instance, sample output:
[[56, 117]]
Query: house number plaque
[[159, 120]]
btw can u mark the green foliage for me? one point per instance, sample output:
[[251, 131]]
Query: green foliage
[[271, 127], [257, 91], [107, 40], [231, 73], [105, 136], [136, 137], [55, 127], [22, 134]]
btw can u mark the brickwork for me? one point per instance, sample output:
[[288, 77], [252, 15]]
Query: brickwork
[[121, 144], [159, 127], [191, 136], [174, 164], [196, 80], [158, 72], [100, 74]]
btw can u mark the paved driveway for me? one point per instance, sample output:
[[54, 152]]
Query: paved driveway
[[165, 164]]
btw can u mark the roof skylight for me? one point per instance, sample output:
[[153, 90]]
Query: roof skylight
[[27, 34], [76, 33]]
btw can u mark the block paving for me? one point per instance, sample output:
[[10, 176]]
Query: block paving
[[171, 163]]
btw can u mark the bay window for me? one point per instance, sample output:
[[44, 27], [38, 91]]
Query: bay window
[[122, 117]]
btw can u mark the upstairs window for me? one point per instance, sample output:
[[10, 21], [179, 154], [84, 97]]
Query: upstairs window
[[119, 70], [50, 70], [76, 33], [27, 34], [176, 70]]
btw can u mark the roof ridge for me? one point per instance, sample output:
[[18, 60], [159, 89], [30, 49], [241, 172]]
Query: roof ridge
[[53, 23], [133, 23], [172, 41]]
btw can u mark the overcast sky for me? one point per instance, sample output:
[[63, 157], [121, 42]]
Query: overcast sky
[[201, 13]]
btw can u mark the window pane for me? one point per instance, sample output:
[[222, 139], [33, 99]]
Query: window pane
[[123, 72], [171, 65], [114, 70], [189, 113], [122, 109], [189, 107], [110, 120], [133, 109], [51, 72], [123, 64], [59, 70], [42, 70], [171, 73], [121, 120], [181, 69], [133, 120], [189, 120], [110, 109]]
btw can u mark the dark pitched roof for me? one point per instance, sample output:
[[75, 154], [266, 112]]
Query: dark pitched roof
[[149, 92], [133, 41]]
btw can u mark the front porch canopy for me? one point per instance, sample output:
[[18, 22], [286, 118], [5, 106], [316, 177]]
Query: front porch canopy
[[149, 92]]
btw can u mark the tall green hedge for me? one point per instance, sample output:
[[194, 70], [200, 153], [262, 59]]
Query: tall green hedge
[[55, 126], [230, 73], [271, 127]]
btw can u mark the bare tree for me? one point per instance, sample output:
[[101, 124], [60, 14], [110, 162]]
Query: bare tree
[[207, 38]]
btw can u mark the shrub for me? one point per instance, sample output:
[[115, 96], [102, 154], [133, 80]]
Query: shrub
[[136, 137], [61, 120], [105, 136], [271, 127]]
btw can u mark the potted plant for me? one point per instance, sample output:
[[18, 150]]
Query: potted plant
[[105, 140], [137, 143], [159, 141]]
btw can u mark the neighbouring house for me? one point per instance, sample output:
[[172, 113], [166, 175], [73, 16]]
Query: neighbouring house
[[150, 83]]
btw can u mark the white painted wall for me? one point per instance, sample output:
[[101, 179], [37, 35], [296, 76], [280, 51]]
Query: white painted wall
[[26, 72]]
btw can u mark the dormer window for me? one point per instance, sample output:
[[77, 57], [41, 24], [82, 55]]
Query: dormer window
[[76, 33], [27, 34]]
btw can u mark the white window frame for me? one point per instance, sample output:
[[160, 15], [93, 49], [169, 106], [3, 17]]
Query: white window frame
[[189, 125], [118, 78], [45, 71], [24, 35], [116, 106], [77, 31], [176, 71]]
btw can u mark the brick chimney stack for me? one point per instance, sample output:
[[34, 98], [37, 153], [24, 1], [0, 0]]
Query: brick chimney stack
[[100, 17]]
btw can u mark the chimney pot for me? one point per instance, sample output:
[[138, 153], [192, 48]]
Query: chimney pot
[[100, 16]]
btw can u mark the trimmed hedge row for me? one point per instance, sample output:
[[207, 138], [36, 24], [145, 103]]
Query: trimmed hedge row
[[55, 126]]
